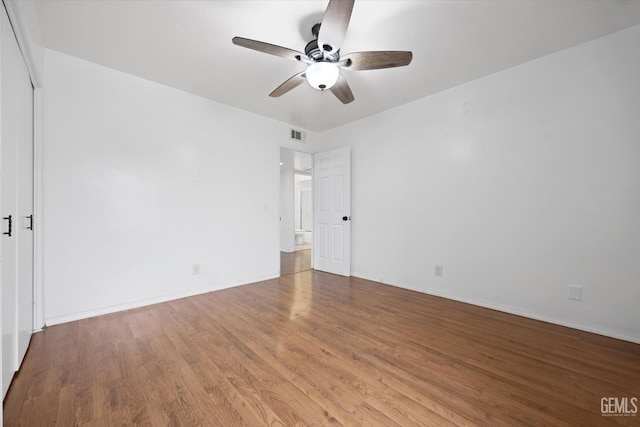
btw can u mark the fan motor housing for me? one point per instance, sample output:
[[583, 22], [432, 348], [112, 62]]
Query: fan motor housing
[[313, 51]]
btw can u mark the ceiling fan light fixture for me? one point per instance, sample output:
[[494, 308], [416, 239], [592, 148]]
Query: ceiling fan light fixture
[[322, 55], [322, 75]]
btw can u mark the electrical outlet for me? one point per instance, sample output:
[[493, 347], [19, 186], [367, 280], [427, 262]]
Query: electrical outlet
[[438, 270], [195, 269], [575, 292]]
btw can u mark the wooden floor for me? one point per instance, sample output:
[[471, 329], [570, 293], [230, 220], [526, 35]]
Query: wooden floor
[[295, 262], [312, 349]]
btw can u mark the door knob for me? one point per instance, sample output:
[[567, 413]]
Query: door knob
[[346, 218]]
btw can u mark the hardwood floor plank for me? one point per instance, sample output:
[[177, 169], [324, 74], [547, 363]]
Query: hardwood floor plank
[[66, 407], [119, 417], [312, 349]]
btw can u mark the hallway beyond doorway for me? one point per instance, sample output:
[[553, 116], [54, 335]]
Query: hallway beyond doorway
[[302, 247], [295, 262]]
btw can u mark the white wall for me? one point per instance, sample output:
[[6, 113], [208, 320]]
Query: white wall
[[141, 182], [519, 184]]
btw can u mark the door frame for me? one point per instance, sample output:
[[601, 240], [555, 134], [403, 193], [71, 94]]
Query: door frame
[[311, 174]]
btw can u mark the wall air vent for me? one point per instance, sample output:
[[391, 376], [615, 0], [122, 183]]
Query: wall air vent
[[298, 135]]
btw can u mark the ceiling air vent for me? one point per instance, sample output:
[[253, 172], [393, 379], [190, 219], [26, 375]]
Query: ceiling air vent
[[298, 135]]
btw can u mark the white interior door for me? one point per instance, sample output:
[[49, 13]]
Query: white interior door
[[332, 211], [16, 203], [8, 203], [24, 210]]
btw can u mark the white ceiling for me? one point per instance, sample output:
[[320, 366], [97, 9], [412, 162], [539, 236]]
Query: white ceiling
[[187, 45]]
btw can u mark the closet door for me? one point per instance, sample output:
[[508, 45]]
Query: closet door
[[24, 210], [8, 204], [16, 203]]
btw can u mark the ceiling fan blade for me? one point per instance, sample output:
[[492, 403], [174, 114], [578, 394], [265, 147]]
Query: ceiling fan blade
[[285, 87], [377, 60], [342, 91], [269, 48], [334, 24]]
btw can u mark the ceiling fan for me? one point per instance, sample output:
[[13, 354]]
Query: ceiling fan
[[322, 55]]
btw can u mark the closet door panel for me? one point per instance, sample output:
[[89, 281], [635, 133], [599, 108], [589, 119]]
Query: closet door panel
[[8, 202], [24, 229], [16, 202]]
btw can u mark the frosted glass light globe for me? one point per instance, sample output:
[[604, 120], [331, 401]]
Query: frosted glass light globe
[[322, 75]]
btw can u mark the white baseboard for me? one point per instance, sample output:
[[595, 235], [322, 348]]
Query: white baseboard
[[511, 310], [56, 320], [480, 303]]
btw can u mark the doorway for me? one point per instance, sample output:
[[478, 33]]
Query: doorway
[[296, 211]]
